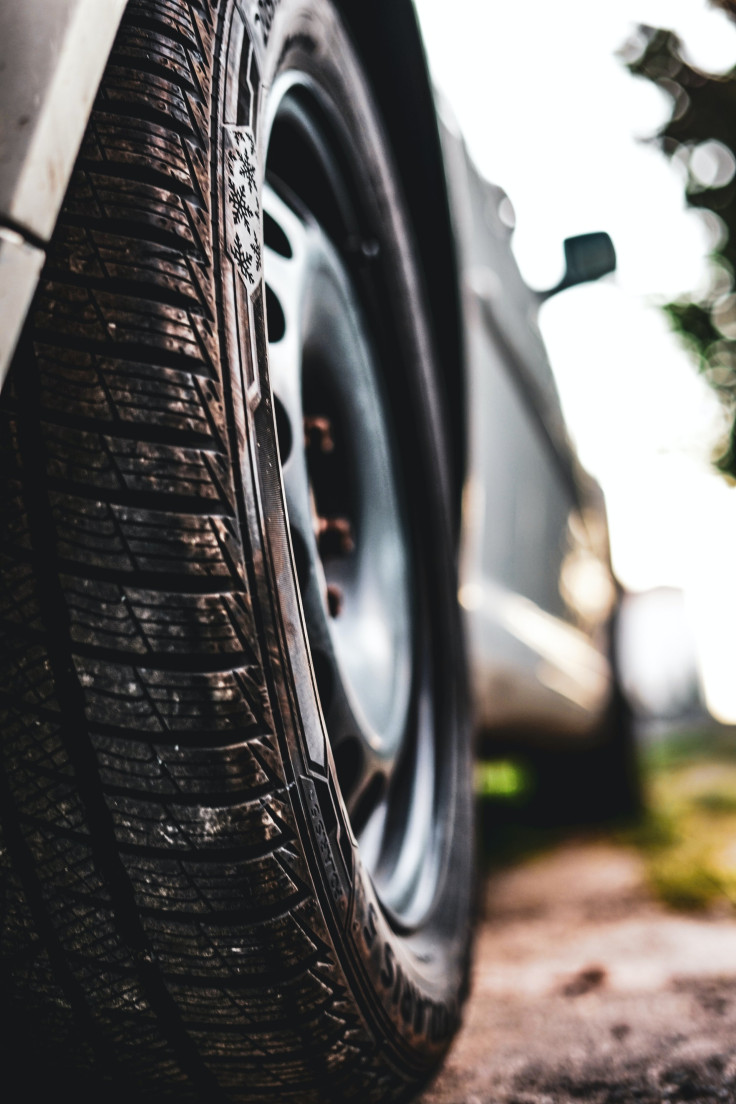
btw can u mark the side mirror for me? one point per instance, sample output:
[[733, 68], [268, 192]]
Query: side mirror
[[587, 257]]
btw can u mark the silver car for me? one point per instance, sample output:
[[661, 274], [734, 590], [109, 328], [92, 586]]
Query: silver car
[[284, 474]]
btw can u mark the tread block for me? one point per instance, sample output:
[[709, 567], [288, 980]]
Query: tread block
[[109, 389], [125, 262], [168, 18], [141, 49], [26, 677], [125, 539], [104, 462], [124, 94], [244, 888], [138, 210], [171, 827], [170, 701], [185, 772], [18, 599], [197, 949], [91, 317], [150, 623], [124, 145]]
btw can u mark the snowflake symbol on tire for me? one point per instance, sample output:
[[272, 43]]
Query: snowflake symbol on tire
[[248, 171], [240, 164], [242, 213], [242, 259], [242, 207]]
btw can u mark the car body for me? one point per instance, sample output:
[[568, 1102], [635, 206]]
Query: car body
[[536, 583]]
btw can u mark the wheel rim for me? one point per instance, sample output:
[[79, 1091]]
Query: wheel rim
[[346, 494]]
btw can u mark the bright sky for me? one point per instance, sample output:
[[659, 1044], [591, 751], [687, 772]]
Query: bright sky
[[550, 114]]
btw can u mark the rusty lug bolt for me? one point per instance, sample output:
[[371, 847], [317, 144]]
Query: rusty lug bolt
[[318, 434], [335, 599], [335, 536]]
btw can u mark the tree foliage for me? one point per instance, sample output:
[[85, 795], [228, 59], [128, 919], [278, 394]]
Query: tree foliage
[[701, 135]]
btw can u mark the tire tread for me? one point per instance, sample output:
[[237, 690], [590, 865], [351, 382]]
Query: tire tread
[[161, 896]]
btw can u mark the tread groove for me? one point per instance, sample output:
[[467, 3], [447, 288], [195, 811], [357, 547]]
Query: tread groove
[[156, 582], [138, 174], [131, 352], [160, 501], [137, 110], [134, 231], [134, 431], [130, 288], [177, 662]]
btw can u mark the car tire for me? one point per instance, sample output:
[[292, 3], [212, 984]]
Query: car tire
[[236, 817]]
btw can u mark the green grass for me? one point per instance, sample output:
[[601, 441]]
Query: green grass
[[688, 836], [501, 778]]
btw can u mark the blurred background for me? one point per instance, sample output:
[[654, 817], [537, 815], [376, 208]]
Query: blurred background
[[551, 109]]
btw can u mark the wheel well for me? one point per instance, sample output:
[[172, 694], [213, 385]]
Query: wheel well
[[388, 41]]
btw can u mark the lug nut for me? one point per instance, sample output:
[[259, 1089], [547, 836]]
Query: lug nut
[[335, 599], [318, 434], [335, 536]]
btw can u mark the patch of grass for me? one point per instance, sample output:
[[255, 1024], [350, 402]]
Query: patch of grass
[[690, 746], [688, 836], [501, 778]]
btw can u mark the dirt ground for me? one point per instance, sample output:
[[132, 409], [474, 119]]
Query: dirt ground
[[587, 991]]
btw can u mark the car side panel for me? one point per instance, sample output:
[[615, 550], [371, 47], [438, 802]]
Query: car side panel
[[536, 584]]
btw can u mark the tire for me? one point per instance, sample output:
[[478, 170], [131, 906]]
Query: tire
[[236, 859]]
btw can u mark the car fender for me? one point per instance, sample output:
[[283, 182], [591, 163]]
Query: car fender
[[52, 56]]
